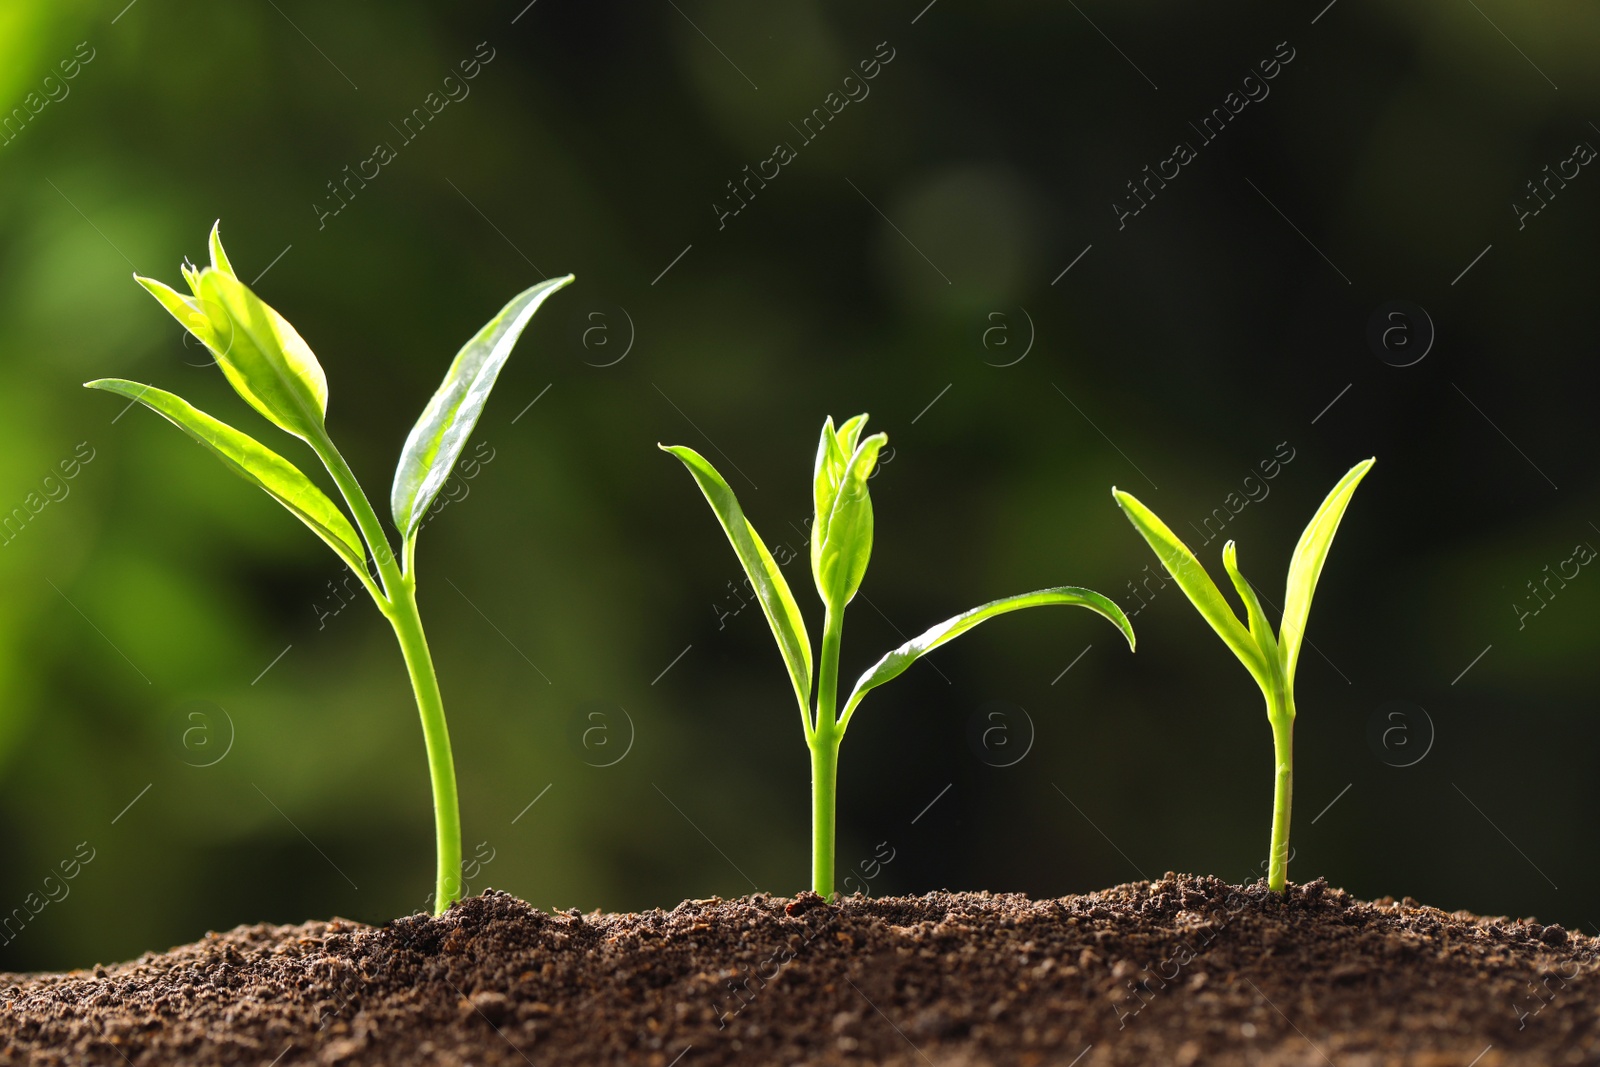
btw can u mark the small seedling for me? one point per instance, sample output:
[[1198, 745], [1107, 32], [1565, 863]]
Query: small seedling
[[1270, 660], [841, 543], [274, 370]]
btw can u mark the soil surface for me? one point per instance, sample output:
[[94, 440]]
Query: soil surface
[[1179, 971]]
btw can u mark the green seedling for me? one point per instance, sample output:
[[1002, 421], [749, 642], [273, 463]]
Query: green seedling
[[274, 370], [841, 543], [1270, 660]]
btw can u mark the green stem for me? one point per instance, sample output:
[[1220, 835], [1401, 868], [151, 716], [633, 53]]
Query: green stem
[[1281, 715], [824, 742], [824, 783], [407, 625], [401, 610], [361, 508]]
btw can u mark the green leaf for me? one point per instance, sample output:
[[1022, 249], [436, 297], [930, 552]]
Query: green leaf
[[895, 663], [831, 462], [850, 434], [1260, 628], [186, 309], [436, 441], [262, 356], [777, 602], [219, 258], [1306, 564], [255, 463], [846, 538], [833, 457], [1193, 580]]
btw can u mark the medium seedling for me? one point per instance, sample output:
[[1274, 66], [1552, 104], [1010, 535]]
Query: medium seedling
[[274, 370], [841, 543], [1270, 660]]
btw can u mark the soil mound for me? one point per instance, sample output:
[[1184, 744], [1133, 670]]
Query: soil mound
[[1180, 971]]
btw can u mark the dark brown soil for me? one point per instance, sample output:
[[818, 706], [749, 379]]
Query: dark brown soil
[[1180, 971]]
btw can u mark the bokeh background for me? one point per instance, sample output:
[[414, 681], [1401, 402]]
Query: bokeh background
[[185, 697]]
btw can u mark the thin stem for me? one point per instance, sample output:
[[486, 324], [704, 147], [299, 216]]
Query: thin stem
[[824, 742], [407, 623], [401, 610], [366, 519], [1281, 714]]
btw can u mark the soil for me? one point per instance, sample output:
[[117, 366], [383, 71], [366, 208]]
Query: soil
[[1179, 971]]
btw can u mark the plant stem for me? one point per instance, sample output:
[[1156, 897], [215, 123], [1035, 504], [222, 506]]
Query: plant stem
[[401, 610], [1281, 714], [407, 623], [824, 742], [824, 782]]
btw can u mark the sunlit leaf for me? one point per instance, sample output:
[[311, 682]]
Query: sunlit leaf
[[846, 540], [262, 356], [436, 441], [1192, 579], [1260, 628], [255, 463], [186, 309], [1306, 564], [771, 589], [831, 462], [895, 663], [219, 258]]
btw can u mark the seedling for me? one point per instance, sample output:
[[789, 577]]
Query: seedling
[[841, 543], [1270, 660], [274, 370]]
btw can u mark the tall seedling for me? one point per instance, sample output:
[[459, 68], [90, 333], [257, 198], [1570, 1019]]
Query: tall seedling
[[841, 543], [1269, 659], [273, 369]]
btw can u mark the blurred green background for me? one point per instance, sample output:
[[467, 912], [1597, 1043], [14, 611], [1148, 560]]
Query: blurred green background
[[180, 689]]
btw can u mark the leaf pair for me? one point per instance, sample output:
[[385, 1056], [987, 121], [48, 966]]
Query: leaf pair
[[841, 546], [270, 365], [1270, 659], [841, 530]]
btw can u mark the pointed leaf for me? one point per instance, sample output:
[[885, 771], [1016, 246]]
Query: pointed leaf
[[895, 663], [262, 356], [831, 462], [777, 602], [186, 309], [847, 541], [219, 258], [850, 434], [436, 441], [1260, 628], [1193, 580], [1306, 564], [255, 463]]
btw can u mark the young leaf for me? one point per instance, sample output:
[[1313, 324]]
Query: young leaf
[[1260, 628], [1193, 580], [436, 441], [850, 434], [847, 537], [831, 462], [896, 662], [186, 309], [219, 258], [255, 463], [777, 602], [262, 356], [1306, 564]]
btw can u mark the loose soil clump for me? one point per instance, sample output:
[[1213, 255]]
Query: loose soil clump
[[1180, 971]]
